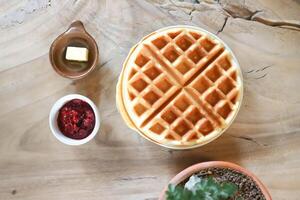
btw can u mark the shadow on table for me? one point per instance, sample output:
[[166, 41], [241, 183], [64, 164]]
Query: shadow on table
[[225, 148], [90, 85]]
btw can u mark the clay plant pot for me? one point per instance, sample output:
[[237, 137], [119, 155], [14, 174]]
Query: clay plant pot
[[188, 172]]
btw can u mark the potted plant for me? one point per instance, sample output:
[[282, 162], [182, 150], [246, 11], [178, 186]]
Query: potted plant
[[215, 180]]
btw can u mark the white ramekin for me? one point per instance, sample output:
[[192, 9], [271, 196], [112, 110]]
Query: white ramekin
[[54, 114]]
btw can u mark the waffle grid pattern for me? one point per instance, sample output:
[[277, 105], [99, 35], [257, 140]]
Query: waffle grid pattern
[[182, 86]]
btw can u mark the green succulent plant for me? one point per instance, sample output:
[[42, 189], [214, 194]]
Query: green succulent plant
[[205, 189]]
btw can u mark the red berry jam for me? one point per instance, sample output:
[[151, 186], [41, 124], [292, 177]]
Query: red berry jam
[[76, 119]]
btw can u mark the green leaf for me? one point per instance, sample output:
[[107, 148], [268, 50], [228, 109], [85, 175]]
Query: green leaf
[[228, 190], [206, 189], [178, 193]]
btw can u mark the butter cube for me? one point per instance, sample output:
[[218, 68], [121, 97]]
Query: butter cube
[[80, 54]]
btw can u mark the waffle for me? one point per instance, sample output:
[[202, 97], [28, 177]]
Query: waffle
[[180, 87]]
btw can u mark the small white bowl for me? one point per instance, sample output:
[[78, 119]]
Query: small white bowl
[[54, 114]]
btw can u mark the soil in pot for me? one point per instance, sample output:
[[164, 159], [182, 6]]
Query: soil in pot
[[247, 188]]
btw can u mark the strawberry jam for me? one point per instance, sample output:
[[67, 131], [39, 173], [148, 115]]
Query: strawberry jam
[[76, 119]]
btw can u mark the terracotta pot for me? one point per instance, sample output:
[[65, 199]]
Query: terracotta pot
[[185, 174]]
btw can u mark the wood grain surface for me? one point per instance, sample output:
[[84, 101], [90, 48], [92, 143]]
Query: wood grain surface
[[118, 163]]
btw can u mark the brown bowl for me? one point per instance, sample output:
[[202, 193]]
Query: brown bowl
[[77, 36], [183, 175]]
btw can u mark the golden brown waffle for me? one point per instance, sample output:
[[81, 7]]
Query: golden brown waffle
[[180, 87]]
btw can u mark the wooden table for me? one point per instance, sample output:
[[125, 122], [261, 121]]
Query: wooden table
[[118, 163]]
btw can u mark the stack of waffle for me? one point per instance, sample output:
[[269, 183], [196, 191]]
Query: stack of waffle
[[180, 87]]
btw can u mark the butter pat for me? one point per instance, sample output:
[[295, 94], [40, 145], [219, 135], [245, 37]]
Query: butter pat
[[80, 54]]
